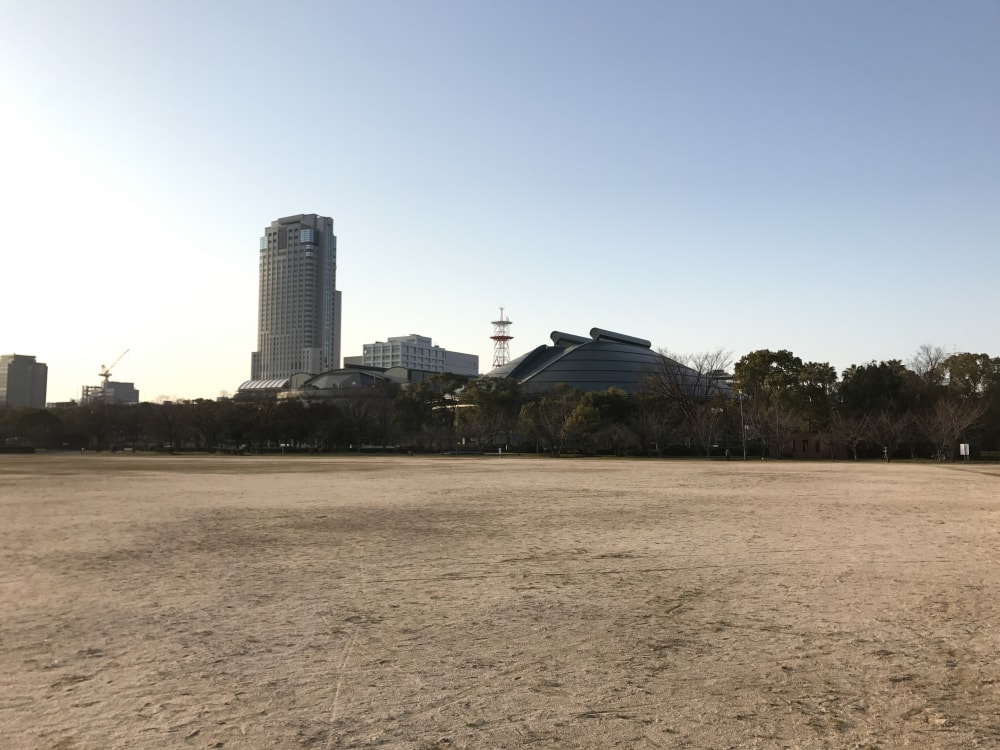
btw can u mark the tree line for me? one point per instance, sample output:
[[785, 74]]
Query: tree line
[[768, 403]]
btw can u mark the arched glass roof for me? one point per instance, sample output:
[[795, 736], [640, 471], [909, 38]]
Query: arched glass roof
[[271, 384]]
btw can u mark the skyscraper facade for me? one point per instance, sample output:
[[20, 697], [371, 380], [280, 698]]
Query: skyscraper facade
[[22, 381], [298, 323]]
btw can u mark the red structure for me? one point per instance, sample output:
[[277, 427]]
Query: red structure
[[501, 341]]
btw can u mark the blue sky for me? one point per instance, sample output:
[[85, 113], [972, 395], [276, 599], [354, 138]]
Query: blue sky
[[819, 177]]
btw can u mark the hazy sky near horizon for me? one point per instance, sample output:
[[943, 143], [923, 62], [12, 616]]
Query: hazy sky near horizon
[[819, 177]]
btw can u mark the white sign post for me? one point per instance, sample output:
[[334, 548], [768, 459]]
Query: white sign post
[[963, 449]]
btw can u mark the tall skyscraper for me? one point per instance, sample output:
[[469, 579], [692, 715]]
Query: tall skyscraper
[[22, 381], [298, 323]]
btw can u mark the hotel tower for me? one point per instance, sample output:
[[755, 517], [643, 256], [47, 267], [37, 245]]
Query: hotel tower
[[298, 323]]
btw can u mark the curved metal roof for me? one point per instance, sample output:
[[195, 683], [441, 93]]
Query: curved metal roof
[[271, 384], [606, 359], [345, 379]]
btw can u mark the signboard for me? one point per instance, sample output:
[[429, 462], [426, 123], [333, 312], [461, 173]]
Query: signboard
[[964, 449]]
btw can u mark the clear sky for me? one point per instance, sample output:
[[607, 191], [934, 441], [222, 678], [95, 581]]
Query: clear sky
[[822, 177]]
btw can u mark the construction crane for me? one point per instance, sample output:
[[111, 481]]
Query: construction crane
[[106, 371]]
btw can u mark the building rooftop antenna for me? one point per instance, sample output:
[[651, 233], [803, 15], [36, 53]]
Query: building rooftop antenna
[[501, 340]]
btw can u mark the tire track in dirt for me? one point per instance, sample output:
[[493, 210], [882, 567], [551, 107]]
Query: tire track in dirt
[[346, 656]]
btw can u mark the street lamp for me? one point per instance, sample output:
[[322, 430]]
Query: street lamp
[[743, 427]]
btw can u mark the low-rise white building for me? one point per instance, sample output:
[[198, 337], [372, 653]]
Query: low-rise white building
[[415, 353]]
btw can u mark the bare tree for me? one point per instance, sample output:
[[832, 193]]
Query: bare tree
[[773, 424], [849, 430], [929, 364], [548, 418], [887, 429], [783, 421], [367, 415], [652, 422], [755, 424], [696, 387], [619, 437], [944, 423]]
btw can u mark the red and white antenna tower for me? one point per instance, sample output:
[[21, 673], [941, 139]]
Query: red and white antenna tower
[[501, 341]]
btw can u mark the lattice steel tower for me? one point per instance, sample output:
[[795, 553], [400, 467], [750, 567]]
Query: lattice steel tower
[[501, 341]]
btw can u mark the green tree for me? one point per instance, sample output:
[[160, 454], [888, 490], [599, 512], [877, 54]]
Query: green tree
[[238, 420], [424, 412], [615, 411], [814, 393], [171, 425], [876, 387], [489, 410], [291, 423], [972, 375], [583, 425], [368, 414], [767, 381], [95, 425], [327, 428], [766, 376], [206, 424], [652, 421], [414, 411], [546, 419], [35, 427]]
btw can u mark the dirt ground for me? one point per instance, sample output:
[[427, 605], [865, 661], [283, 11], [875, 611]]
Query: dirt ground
[[408, 602]]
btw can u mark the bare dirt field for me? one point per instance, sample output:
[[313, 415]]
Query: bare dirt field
[[406, 602]]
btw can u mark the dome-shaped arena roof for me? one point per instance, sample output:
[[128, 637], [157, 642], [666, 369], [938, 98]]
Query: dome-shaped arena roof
[[597, 363]]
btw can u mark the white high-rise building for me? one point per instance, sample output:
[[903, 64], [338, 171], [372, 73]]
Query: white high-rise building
[[298, 324]]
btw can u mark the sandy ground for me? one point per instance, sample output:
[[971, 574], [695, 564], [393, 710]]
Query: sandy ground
[[406, 602]]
